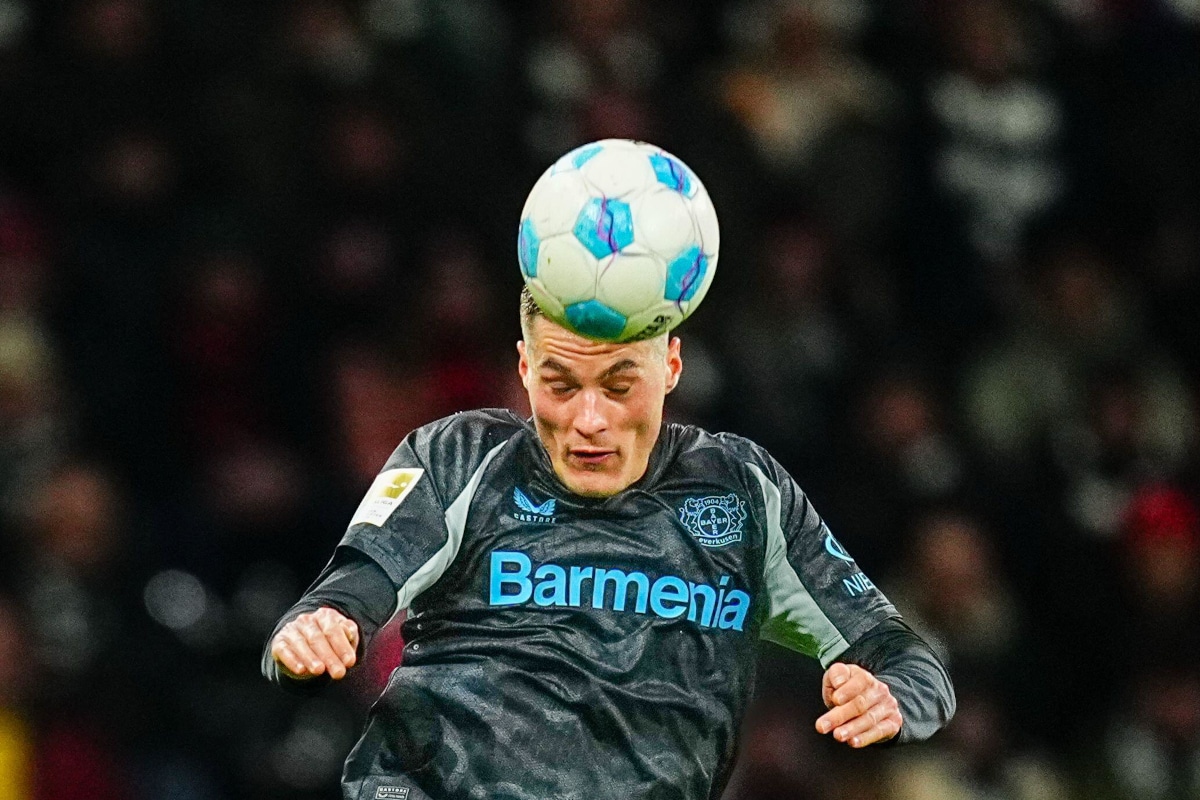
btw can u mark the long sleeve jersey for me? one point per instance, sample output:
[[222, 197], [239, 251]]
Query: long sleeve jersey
[[567, 647]]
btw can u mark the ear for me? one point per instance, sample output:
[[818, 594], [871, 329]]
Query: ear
[[674, 363], [523, 363]]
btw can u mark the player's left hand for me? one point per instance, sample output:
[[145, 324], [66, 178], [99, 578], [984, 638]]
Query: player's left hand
[[861, 711]]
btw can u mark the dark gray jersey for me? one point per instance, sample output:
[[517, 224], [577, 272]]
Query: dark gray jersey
[[564, 647]]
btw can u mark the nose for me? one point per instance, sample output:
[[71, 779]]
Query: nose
[[589, 416]]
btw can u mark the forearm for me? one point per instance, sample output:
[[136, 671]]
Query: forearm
[[916, 676], [356, 587]]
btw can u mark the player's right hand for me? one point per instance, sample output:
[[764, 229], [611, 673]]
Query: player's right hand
[[324, 641]]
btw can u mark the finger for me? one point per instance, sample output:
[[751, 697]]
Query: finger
[[838, 715], [879, 721], [858, 684], [320, 646], [286, 658], [859, 724], [841, 714], [838, 674], [834, 718], [298, 643], [835, 677], [885, 729], [351, 633], [335, 635]]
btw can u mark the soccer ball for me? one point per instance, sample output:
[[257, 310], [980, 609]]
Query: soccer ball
[[618, 241]]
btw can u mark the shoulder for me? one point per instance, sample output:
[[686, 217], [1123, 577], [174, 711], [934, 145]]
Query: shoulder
[[453, 448], [486, 424], [741, 460], [695, 443]]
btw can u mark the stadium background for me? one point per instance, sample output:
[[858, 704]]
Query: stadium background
[[245, 247]]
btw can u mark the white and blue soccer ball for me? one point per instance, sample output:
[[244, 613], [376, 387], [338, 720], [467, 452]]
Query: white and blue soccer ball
[[618, 241]]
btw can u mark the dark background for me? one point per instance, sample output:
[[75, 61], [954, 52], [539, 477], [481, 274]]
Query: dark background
[[246, 246]]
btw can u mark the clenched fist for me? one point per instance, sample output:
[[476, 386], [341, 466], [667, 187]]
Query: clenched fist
[[316, 643], [862, 710]]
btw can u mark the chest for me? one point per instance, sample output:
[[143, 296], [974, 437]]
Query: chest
[[690, 537]]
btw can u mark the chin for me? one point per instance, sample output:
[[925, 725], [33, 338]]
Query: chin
[[593, 484]]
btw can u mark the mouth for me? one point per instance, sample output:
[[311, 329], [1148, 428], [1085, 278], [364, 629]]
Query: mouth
[[591, 457]]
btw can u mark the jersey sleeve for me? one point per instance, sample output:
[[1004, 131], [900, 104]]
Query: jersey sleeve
[[412, 519], [819, 601], [355, 586]]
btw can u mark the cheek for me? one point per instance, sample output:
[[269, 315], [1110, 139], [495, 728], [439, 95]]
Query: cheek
[[549, 415], [639, 418]]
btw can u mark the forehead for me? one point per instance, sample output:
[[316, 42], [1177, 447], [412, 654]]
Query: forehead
[[554, 343]]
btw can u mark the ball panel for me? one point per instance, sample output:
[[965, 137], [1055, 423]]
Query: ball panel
[[566, 269], [672, 173], [528, 243], [702, 288], [604, 226], [581, 155], [685, 274], [595, 320], [663, 222], [649, 323], [631, 281], [618, 172], [576, 158], [554, 204]]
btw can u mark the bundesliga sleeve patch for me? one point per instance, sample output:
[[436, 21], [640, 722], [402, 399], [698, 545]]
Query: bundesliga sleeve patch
[[386, 493]]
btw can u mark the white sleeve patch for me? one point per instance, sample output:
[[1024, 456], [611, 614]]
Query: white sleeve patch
[[386, 493]]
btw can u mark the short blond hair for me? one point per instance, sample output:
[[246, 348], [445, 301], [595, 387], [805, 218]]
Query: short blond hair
[[530, 311]]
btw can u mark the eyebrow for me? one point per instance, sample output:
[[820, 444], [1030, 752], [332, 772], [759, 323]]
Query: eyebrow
[[620, 366]]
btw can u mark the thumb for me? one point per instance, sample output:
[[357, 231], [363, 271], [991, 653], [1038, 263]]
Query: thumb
[[835, 676], [838, 674]]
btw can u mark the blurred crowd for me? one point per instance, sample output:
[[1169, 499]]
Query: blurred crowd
[[246, 246]]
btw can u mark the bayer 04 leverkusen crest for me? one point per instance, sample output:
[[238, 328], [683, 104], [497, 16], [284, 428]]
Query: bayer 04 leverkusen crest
[[716, 520]]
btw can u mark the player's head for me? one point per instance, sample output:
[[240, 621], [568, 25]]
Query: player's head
[[597, 407]]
